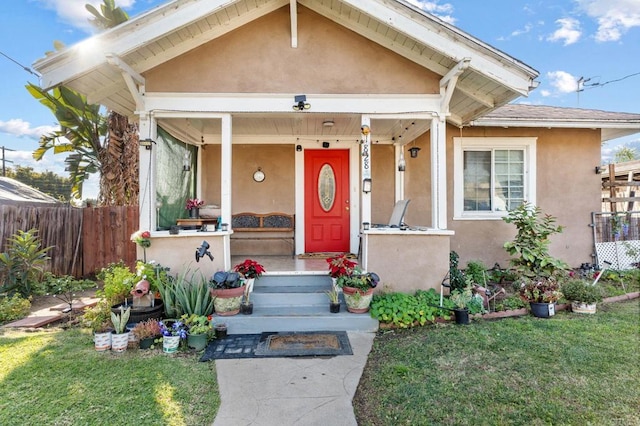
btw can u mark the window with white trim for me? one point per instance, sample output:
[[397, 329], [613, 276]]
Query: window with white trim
[[492, 175]]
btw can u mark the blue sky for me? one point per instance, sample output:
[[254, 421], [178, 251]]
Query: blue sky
[[598, 40]]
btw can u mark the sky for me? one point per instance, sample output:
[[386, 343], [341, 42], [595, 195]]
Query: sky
[[586, 51]]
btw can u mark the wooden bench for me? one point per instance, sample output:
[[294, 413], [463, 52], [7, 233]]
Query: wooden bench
[[249, 228]]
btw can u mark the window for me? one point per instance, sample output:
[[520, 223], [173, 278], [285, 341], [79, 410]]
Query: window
[[492, 176]]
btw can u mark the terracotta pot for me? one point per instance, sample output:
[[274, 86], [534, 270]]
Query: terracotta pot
[[227, 301], [357, 300]]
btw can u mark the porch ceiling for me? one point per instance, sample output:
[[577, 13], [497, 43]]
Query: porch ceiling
[[295, 127], [142, 43]]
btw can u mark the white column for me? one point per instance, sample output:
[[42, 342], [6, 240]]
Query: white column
[[365, 168], [399, 195], [147, 174], [438, 172], [225, 190]]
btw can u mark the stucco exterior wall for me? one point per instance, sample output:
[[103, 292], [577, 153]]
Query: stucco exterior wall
[[258, 58], [567, 188]]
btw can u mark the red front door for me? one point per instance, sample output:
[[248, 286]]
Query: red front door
[[326, 200]]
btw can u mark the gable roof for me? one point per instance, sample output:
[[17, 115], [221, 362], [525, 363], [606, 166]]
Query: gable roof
[[613, 124], [15, 192], [108, 66]]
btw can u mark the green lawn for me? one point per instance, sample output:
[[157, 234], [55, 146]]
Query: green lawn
[[571, 369], [56, 377]]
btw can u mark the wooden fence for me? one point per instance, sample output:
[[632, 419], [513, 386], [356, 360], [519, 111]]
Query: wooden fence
[[82, 240]]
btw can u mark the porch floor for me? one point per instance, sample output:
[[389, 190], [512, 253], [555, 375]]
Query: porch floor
[[277, 264]]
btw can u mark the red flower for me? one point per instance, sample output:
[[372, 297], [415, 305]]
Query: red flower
[[146, 234]]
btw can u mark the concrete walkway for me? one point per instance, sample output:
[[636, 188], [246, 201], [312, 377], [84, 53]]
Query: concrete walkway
[[292, 391]]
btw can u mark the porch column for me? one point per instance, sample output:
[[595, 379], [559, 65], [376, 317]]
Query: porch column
[[438, 172], [365, 167], [399, 193], [147, 174], [225, 179]]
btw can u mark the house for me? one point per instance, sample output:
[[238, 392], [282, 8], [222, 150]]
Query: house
[[330, 112], [13, 192]]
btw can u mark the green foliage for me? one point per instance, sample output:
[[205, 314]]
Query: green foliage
[[13, 308], [98, 318], [510, 303], [191, 294], [579, 290], [531, 244], [109, 15], [476, 271], [58, 187], [22, 265], [64, 287], [461, 297], [154, 273], [118, 282], [456, 277], [120, 321], [540, 290], [405, 310], [625, 154]]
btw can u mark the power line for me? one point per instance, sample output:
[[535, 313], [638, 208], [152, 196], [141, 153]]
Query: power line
[[597, 84], [27, 69]]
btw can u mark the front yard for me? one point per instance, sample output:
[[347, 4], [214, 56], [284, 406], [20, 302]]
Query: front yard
[[570, 369]]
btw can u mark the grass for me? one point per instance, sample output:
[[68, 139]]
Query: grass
[[55, 377], [571, 369]]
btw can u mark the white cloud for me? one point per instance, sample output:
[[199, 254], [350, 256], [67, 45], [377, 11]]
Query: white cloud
[[562, 81], [19, 127], [74, 12], [569, 31], [545, 93], [442, 11], [614, 17], [527, 28]]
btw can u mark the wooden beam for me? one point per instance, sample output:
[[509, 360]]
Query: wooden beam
[[614, 200]]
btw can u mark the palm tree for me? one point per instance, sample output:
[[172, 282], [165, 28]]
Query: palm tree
[[108, 145]]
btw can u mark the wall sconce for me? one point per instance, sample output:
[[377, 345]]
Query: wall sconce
[[599, 170], [325, 144], [147, 143], [366, 185], [402, 165], [298, 148], [301, 103], [186, 162], [414, 151], [365, 130]]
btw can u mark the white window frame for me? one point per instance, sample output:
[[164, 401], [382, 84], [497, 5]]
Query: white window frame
[[460, 144]]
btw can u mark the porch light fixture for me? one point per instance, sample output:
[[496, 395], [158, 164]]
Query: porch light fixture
[[147, 143], [599, 169], [186, 161], [366, 185], [325, 144], [414, 151], [301, 103]]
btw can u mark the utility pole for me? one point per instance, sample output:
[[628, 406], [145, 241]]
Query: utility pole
[[4, 160]]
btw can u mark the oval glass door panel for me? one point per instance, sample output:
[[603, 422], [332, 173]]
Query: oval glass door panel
[[326, 187]]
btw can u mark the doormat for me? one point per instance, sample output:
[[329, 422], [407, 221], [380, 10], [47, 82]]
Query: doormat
[[324, 255], [279, 344]]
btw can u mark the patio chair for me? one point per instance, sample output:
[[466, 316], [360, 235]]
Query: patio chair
[[397, 216]]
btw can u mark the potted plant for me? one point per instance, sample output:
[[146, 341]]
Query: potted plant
[[120, 337], [583, 295], [542, 293], [227, 290], [461, 298], [249, 271], [340, 265], [98, 318], [146, 332], [199, 330], [193, 205], [334, 300], [358, 289], [172, 331]]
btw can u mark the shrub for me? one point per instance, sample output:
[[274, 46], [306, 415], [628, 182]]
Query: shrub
[[405, 310], [23, 265], [477, 272], [118, 282], [578, 290], [64, 287], [13, 308], [456, 278]]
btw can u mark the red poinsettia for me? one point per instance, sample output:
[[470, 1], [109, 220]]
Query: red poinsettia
[[249, 269], [340, 265]]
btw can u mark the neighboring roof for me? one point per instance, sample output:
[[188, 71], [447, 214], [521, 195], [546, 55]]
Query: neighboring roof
[[14, 192], [613, 124], [96, 67]]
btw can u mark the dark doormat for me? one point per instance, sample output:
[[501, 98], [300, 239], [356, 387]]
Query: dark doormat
[[279, 344]]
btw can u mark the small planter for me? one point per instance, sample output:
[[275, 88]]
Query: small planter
[[461, 316], [119, 342], [357, 300], [542, 310], [246, 308], [227, 301], [583, 308], [334, 308], [197, 342], [220, 330], [147, 342], [170, 344], [102, 341]]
